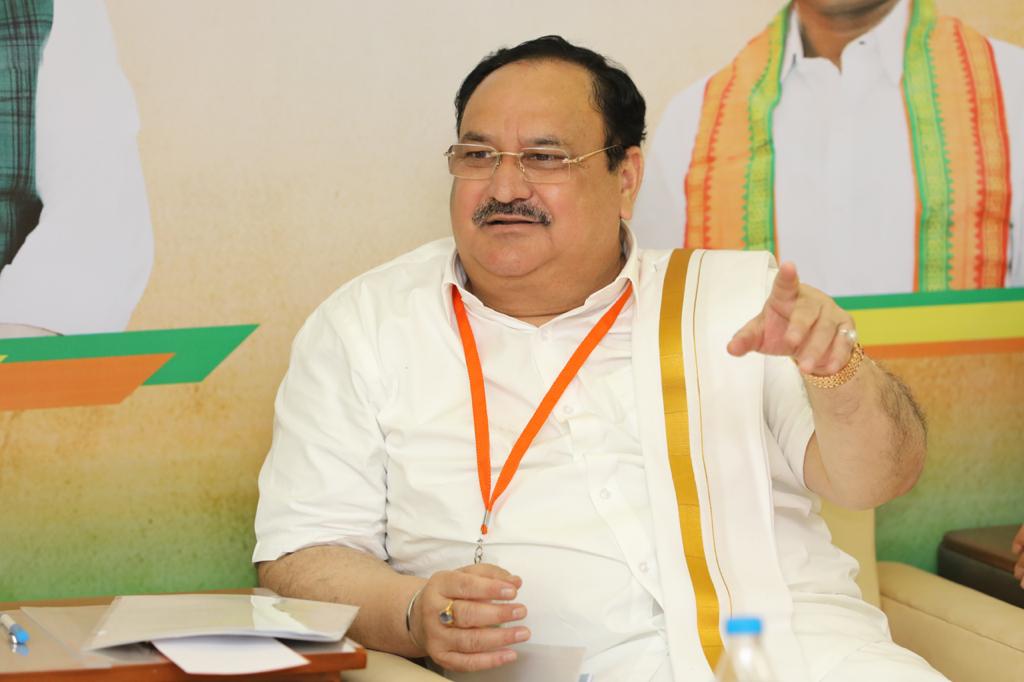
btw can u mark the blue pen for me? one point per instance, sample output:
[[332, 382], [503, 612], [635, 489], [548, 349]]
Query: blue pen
[[18, 633]]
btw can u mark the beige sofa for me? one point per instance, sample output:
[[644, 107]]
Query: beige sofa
[[966, 635]]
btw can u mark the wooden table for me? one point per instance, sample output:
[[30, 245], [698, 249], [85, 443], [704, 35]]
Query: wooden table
[[322, 666], [980, 558]]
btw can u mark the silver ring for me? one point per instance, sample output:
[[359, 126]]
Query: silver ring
[[850, 334]]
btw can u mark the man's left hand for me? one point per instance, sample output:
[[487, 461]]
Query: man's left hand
[[799, 321]]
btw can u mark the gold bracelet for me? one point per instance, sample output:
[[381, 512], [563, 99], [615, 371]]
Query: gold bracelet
[[842, 376]]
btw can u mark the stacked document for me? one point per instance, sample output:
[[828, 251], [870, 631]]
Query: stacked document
[[214, 633], [170, 616], [187, 629]]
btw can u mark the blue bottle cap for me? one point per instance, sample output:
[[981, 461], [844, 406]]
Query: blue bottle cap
[[743, 626]]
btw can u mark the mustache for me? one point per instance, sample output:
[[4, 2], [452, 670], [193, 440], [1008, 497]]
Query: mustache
[[517, 208]]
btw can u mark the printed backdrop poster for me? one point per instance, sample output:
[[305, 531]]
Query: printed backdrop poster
[[284, 152]]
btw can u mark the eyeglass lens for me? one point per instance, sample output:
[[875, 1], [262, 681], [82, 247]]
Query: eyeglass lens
[[478, 162]]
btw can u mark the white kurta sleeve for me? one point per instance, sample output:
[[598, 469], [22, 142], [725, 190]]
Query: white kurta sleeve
[[84, 267], [659, 220], [324, 480], [788, 411]]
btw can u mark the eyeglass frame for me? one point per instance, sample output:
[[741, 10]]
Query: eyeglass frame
[[569, 162]]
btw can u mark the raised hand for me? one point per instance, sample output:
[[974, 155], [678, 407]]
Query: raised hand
[[455, 616], [799, 321]]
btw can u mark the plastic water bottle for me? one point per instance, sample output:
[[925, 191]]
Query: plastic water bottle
[[744, 659]]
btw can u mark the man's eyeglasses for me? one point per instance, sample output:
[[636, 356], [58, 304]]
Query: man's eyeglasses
[[539, 165]]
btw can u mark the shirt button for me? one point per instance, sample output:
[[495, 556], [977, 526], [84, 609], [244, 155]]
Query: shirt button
[[545, 334], [643, 567], [605, 493], [567, 410]]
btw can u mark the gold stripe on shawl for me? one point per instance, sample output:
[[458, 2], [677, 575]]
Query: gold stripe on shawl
[[677, 432]]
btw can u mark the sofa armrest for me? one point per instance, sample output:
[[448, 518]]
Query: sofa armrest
[[964, 634]]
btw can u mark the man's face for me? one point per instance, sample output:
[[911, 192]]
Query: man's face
[[566, 226], [847, 9]]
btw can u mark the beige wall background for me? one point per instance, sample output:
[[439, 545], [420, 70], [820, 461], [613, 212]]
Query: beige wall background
[[287, 146]]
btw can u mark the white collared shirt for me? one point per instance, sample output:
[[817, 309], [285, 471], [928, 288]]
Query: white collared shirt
[[416, 500], [845, 195], [374, 449]]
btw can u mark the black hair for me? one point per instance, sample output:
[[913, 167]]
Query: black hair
[[615, 95]]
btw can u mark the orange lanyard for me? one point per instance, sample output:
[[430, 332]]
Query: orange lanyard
[[479, 399]]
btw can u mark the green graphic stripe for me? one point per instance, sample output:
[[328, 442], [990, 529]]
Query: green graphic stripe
[[929, 145], [759, 191], [948, 297], [197, 351]]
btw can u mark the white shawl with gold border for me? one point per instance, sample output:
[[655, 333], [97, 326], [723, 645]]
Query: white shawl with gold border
[[733, 566]]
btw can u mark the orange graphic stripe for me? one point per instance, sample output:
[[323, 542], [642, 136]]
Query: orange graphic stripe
[[72, 383], [943, 348]]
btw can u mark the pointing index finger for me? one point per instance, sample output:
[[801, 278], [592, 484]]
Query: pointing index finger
[[748, 338], [786, 287]]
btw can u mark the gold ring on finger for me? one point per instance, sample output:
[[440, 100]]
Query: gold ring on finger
[[447, 615]]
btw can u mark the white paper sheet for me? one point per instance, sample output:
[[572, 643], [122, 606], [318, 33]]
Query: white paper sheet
[[228, 654], [152, 617], [533, 662]]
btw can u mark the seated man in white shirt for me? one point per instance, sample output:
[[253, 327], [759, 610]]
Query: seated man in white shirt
[[539, 426]]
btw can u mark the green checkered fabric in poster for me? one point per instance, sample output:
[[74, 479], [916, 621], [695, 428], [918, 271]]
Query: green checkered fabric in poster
[[24, 27]]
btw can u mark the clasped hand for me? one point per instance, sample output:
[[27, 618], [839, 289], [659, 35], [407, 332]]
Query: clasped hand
[[799, 321], [479, 596]]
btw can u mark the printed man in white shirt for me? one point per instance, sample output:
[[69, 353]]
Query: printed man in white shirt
[[845, 138], [540, 426], [875, 144]]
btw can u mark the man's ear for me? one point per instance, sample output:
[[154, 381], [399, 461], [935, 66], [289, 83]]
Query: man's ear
[[631, 173]]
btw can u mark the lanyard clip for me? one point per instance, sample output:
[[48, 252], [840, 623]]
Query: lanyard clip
[[478, 555]]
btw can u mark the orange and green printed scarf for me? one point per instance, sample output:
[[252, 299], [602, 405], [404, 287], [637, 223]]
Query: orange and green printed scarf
[[958, 138]]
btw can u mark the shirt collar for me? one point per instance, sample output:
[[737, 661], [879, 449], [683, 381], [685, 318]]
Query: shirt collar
[[888, 39], [455, 276]]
